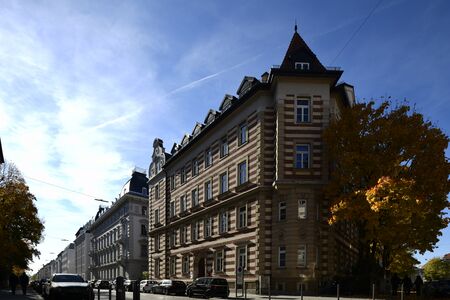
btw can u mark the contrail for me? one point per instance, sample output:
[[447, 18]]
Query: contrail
[[116, 120]]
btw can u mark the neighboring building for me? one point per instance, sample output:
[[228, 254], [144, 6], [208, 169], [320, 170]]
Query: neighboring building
[[245, 187], [119, 243], [68, 259], [45, 272], [446, 257], [82, 246]]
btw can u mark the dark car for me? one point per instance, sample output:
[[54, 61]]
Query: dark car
[[169, 287], [64, 286], [102, 284], [209, 287]]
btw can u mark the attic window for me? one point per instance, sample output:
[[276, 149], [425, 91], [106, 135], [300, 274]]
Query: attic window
[[302, 66]]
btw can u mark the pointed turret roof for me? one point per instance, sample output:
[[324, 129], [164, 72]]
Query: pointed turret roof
[[298, 51]]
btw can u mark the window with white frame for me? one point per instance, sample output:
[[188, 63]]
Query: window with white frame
[[220, 260], [282, 211], [173, 265], [242, 134], [208, 227], [242, 257], [223, 182], [302, 155], [172, 209], [242, 220], [223, 222], [301, 256], [224, 147], [282, 256], [208, 190], [185, 267], [302, 208], [194, 197], [242, 173], [208, 157], [302, 66], [195, 167], [183, 175], [302, 111], [183, 203], [195, 229]]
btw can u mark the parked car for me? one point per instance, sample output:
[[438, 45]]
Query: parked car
[[128, 284], [146, 285], [209, 287], [64, 286], [102, 284], [168, 286]]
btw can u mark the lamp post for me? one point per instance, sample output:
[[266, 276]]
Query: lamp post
[[2, 159]]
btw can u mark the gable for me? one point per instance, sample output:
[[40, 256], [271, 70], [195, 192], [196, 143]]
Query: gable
[[198, 127], [246, 84], [211, 116], [227, 102], [185, 139], [299, 52]]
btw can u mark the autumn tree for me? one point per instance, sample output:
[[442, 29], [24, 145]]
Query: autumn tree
[[436, 269], [390, 178], [20, 227]]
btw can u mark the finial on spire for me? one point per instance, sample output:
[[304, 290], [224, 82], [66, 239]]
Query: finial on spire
[[295, 27]]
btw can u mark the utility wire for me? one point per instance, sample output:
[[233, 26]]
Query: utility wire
[[357, 30], [66, 189]]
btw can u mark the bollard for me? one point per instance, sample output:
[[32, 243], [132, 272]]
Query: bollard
[[301, 291], [337, 291], [98, 291], [245, 290], [109, 290], [120, 289], [373, 291], [136, 291], [270, 276], [401, 292]]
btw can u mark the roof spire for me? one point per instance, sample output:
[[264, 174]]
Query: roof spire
[[295, 27]]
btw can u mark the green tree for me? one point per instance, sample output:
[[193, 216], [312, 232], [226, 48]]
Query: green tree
[[436, 269], [20, 227], [390, 179], [145, 275]]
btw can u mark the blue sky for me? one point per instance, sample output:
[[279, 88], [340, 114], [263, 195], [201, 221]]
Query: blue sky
[[86, 86]]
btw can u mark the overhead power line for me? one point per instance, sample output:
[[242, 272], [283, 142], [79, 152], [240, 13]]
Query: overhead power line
[[66, 189], [357, 30]]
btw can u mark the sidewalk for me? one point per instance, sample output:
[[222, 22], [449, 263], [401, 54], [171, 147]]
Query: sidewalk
[[31, 294]]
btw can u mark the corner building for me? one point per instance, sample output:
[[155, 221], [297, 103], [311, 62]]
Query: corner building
[[245, 188]]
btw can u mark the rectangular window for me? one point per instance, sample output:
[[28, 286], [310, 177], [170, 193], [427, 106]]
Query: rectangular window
[[223, 222], [223, 147], [302, 111], [172, 238], [208, 191], [156, 216], [220, 261], [157, 242], [183, 204], [144, 252], [223, 182], [194, 196], [183, 175], [302, 66], [173, 265], [242, 173], [143, 230], [185, 267], [282, 211], [302, 156], [195, 167], [242, 221], [208, 158], [172, 209], [157, 191], [301, 256], [172, 182], [242, 257], [302, 209], [144, 210], [242, 134], [282, 257], [157, 267], [208, 227], [183, 235], [195, 228]]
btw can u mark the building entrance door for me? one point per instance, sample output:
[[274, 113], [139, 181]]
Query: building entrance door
[[201, 267]]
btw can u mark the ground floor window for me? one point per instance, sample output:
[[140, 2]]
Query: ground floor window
[[173, 265], [220, 260], [185, 267], [242, 257]]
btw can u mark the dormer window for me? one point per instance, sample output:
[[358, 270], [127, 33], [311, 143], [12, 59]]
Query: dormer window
[[302, 66]]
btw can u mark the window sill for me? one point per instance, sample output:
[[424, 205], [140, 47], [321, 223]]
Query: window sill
[[209, 202], [243, 144], [244, 186], [224, 156], [225, 195]]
